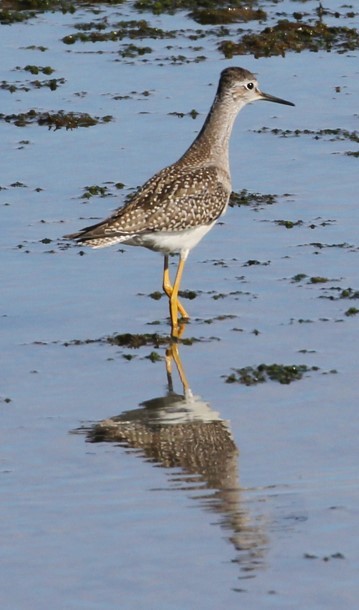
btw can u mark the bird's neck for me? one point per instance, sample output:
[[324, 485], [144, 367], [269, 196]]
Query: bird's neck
[[212, 143]]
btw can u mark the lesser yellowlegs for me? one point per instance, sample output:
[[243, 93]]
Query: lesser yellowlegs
[[173, 210]]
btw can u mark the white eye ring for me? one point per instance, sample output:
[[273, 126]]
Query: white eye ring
[[250, 86]]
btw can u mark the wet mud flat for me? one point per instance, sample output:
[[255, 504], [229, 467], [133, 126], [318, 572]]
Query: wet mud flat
[[220, 469]]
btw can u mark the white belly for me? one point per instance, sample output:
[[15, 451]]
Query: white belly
[[171, 242]]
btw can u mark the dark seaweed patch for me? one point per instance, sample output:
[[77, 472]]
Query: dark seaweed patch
[[52, 84], [284, 374], [334, 135], [97, 32], [352, 311], [54, 120], [244, 197], [288, 224], [171, 6], [217, 16], [293, 36]]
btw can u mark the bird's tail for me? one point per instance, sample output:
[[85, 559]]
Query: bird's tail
[[95, 236]]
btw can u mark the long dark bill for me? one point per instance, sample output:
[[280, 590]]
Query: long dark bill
[[271, 98]]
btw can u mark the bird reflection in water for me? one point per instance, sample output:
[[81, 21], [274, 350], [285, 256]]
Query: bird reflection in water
[[182, 431]]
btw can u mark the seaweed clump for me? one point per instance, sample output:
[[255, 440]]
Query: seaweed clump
[[134, 30], [16, 11], [54, 120], [284, 374], [244, 197], [218, 16], [171, 6], [293, 36]]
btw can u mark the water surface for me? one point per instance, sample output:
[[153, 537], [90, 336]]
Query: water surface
[[233, 496]]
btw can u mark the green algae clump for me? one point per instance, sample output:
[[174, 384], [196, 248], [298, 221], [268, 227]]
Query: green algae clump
[[293, 36], [284, 374]]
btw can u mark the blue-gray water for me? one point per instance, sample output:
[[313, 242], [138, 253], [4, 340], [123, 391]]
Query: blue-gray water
[[270, 521]]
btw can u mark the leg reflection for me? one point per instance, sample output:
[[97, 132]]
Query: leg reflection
[[183, 431], [173, 355]]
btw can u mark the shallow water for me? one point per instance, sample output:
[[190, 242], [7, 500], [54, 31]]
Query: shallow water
[[238, 495]]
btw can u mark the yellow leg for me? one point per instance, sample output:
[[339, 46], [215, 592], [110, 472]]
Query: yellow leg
[[175, 305], [168, 289]]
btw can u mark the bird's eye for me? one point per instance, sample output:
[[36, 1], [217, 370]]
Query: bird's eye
[[250, 86]]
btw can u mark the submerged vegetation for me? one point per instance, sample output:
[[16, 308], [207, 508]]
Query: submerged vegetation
[[244, 197], [297, 31], [332, 134], [284, 374], [293, 36], [54, 120], [228, 14], [52, 84], [101, 31]]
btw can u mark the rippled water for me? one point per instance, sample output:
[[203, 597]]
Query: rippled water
[[119, 488]]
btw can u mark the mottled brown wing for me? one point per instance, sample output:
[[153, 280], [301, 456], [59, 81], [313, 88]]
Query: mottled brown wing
[[172, 200]]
